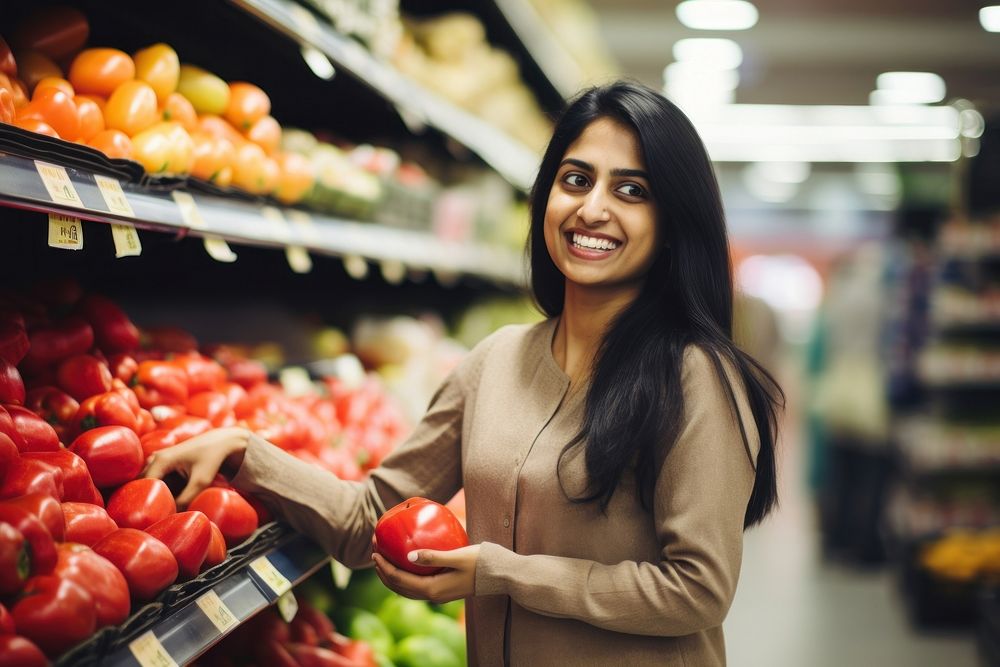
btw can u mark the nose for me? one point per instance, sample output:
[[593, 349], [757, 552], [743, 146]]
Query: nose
[[594, 209]]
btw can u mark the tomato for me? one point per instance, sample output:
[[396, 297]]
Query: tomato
[[113, 330], [56, 31], [131, 108], [248, 168], [417, 523], [113, 143], [181, 155], [18, 651], [99, 577], [295, 179], [227, 509], [206, 92], [83, 376], [37, 434], [272, 173], [113, 454], [178, 109], [188, 535], [86, 523], [152, 149], [15, 559], [17, 89], [42, 547], [107, 409], [90, 117], [11, 384], [146, 562], [100, 71], [57, 109], [33, 66], [100, 100], [55, 613], [212, 155], [77, 483], [158, 66], [36, 126], [247, 105], [57, 83], [46, 509], [7, 108], [141, 503], [266, 133]]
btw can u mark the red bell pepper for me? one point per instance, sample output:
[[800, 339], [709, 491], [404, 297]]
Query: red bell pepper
[[46, 509], [51, 344], [239, 400], [38, 434], [13, 341], [19, 651], [113, 454], [77, 483], [54, 406], [99, 577], [162, 413], [204, 374], [123, 367], [8, 454], [107, 409], [11, 384], [55, 613], [216, 548], [186, 427], [227, 509], [248, 373], [160, 383], [86, 523], [113, 329], [145, 421], [157, 439], [146, 562], [141, 503], [188, 535], [8, 428], [83, 375], [6, 622], [43, 548], [15, 559], [123, 390], [213, 406], [27, 475]]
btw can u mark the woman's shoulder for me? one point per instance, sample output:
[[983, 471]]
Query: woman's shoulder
[[510, 342]]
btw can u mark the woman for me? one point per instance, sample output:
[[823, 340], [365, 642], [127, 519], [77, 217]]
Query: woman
[[612, 456]]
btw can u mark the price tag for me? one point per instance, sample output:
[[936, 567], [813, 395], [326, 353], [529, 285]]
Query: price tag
[[356, 267], [114, 196], [341, 574], [57, 182], [218, 249], [274, 580], [189, 210], [217, 611], [393, 271], [126, 240], [298, 258], [65, 232], [148, 650], [278, 229], [288, 606]]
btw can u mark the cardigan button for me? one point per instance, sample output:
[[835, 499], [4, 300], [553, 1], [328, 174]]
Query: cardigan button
[[506, 522]]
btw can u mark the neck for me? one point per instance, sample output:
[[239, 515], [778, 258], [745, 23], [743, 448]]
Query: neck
[[587, 313]]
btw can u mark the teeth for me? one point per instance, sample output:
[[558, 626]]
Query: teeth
[[593, 243]]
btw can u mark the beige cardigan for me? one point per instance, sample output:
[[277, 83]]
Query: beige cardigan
[[557, 583]]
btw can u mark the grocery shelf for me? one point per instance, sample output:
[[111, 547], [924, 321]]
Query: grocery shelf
[[247, 222], [417, 106], [181, 632]]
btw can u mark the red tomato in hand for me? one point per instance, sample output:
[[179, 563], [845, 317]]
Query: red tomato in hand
[[55, 613], [87, 524], [146, 562], [99, 577], [83, 376], [46, 509], [188, 535], [141, 503], [76, 481], [230, 511], [113, 454], [417, 523]]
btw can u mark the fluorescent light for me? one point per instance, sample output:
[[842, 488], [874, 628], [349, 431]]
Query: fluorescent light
[[912, 87], [710, 53], [684, 74], [717, 14], [989, 18]]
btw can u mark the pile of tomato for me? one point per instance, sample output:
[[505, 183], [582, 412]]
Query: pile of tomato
[[172, 118], [85, 399]]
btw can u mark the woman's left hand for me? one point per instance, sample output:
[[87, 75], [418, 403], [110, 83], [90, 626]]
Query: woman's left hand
[[456, 582]]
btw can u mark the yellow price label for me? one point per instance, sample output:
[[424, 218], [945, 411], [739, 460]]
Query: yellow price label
[[189, 210], [217, 611], [219, 250], [274, 580], [148, 650], [304, 223], [65, 232], [58, 185], [288, 606], [298, 258], [114, 196], [126, 240], [341, 574], [278, 229], [356, 267]]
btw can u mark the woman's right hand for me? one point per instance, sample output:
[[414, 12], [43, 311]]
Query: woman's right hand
[[199, 459]]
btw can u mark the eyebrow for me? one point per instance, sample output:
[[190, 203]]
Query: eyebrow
[[586, 166]]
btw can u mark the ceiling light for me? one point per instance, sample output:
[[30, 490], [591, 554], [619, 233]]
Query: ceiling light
[[717, 14], [709, 53], [989, 18], [912, 87]]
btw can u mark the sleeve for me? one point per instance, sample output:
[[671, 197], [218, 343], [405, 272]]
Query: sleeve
[[700, 498], [341, 515]]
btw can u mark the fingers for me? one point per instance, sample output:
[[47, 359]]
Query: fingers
[[159, 466], [200, 479]]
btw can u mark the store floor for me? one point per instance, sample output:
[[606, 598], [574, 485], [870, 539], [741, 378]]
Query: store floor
[[793, 609]]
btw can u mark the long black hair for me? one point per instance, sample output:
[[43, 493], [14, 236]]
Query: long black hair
[[686, 299]]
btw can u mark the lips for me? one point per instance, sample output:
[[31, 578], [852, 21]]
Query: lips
[[591, 246]]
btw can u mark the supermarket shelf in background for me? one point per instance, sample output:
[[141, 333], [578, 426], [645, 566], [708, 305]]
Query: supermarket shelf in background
[[246, 222], [418, 106]]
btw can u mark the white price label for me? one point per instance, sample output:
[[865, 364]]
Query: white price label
[[217, 611], [288, 606], [341, 574], [126, 240], [148, 650], [274, 579], [356, 267], [278, 227], [299, 259], [114, 196], [65, 232], [58, 185], [189, 210], [219, 250]]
